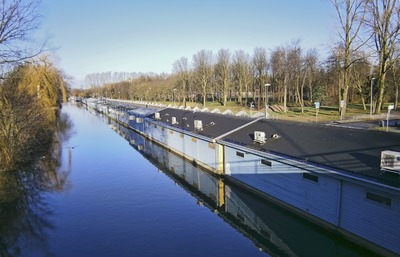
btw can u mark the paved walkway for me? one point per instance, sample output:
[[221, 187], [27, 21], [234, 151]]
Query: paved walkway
[[366, 121]]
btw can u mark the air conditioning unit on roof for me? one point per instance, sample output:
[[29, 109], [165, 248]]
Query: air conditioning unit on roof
[[173, 121], [390, 160], [157, 116], [259, 137], [198, 125]]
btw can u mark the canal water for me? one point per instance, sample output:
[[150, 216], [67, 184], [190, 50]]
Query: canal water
[[114, 197]]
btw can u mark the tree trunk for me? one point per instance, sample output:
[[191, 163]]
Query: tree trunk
[[381, 85]]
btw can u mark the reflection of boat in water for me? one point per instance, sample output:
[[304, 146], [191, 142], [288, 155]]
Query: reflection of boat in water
[[271, 228]]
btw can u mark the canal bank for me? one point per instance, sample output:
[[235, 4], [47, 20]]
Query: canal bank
[[331, 175]]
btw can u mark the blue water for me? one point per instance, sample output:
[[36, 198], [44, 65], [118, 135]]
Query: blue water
[[119, 204], [116, 202]]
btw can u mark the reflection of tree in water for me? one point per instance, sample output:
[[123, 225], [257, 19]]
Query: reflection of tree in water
[[25, 207]]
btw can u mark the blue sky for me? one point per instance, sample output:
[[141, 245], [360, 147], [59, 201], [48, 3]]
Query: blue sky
[[148, 36]]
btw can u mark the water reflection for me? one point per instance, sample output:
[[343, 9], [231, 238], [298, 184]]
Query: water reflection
[[25, 206], [271, 228]]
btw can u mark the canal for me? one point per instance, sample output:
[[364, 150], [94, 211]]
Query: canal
[[113, 197]]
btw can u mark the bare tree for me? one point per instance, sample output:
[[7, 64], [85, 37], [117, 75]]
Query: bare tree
[[384, 21], [18, 19], [238, 71], [298, 71], [181, 68], [279, 73], [202, 67], [351, 15], [222, 70], [260, 68], [359, 76], [312, 60]]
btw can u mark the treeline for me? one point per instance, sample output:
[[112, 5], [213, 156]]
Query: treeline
[[294, 74], [362, 65]]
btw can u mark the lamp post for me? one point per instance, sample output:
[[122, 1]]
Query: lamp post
[[266, 100], [372, 96]]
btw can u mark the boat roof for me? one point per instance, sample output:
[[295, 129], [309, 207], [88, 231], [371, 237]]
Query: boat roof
[[344, 148], [214, 124], [142, 111]]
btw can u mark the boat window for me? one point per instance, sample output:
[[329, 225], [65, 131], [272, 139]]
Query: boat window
[[266, 162], [240, 154], [310, 177], [379, 199]]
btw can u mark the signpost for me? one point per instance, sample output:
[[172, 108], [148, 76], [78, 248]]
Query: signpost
[[316, 113], [251, 108], [390, 107], [341, 109]]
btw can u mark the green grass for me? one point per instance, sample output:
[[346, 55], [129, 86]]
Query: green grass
[[325, 113]]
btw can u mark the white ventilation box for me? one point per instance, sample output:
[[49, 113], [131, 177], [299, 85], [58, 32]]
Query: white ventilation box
[[390, 160], [259, 137], [157, 116], [198, 125], [173, 120]]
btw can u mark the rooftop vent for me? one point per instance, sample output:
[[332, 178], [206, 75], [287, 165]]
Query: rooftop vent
[[198, 125], [390, 161], [173, 121], [157, 116], [259, 137]]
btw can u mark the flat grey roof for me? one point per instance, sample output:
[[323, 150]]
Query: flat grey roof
[[347, 149], [214, 125]]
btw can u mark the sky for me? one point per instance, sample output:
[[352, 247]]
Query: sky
[[94, 36]]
